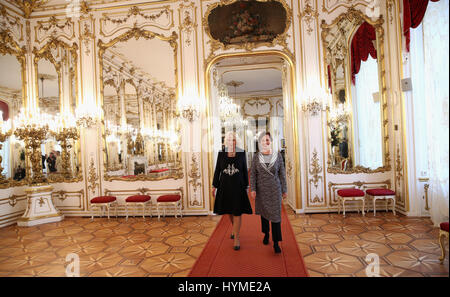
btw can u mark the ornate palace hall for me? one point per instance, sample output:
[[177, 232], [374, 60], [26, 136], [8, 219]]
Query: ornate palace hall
[[224, 138]]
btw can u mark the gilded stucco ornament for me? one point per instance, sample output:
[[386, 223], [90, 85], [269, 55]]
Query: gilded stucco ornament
[[399, 167], [315, 169], [92, 178], [11, 23], [135, 11], [195, 176], [309, 14], [188, 24], [27, 6]]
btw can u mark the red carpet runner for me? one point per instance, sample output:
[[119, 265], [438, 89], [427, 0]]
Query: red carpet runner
[[219, 259]]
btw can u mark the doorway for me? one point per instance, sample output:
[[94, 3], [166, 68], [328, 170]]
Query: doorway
[[251, 94]]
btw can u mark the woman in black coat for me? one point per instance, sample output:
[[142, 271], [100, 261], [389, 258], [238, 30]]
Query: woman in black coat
[[230, 185]]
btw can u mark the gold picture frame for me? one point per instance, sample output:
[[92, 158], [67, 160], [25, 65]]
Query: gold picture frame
[[280, 39]]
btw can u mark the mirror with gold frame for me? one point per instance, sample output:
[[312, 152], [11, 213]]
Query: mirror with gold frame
[[355, 69], [141, 138], [12, 97], [56, 86]]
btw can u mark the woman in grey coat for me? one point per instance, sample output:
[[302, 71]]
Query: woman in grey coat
[[268, 186]]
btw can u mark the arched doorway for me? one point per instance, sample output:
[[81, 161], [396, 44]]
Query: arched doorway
[[253, 62]]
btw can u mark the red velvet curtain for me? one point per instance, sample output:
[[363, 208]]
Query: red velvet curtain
[[5, 108], [362, 46], [413, 13]]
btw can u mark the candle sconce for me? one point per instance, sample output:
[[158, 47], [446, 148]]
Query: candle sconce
[[33, 131], [87, 116], [64, 137], [316, 100]]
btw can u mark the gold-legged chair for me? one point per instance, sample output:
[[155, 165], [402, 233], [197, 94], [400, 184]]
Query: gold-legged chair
[[443, 233]]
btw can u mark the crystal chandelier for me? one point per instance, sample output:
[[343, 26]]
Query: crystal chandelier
[[230, 112], [339, 115]]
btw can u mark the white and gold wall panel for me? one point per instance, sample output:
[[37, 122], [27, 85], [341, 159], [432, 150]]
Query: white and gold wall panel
[[12, 206]]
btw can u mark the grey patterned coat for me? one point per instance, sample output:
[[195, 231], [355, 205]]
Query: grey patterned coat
[[269, 182]]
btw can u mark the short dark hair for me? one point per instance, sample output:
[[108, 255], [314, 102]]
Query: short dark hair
[[264, 134]]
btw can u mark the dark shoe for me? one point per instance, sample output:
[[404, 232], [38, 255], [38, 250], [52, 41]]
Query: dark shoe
[[232, 236], [266, 239], [276, 248], [237, 246]]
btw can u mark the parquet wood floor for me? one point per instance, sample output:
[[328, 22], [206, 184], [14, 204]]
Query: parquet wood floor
[[331, 245]]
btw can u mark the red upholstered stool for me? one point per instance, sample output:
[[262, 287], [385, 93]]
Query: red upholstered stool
[[103, 202], [443, 233], [169, 200], [143, 200], [381, 193], [350, 195]]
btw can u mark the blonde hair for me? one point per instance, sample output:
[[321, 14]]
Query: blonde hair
[[227, 134], [235, 136]]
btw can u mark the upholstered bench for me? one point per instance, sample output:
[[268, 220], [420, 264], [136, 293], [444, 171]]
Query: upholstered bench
[[169, 200], [129, 176], [103, 201], [381, 193], [142, 200], [350, 195], [159, 170], [443, 233]]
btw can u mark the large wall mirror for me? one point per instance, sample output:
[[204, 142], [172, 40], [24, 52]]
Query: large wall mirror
[[139, 87], [12, 93], [357, 120], [56, 85]]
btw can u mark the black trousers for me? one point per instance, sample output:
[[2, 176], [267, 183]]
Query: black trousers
[[276, 229]]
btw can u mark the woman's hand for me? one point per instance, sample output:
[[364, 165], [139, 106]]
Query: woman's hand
[[253, 194], [214, 192], [284, 195]]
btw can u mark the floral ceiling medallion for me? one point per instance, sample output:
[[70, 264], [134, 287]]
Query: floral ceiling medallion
[[247, 24]]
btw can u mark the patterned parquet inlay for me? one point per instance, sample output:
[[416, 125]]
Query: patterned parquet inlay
[[114, 247], [331, 245]]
